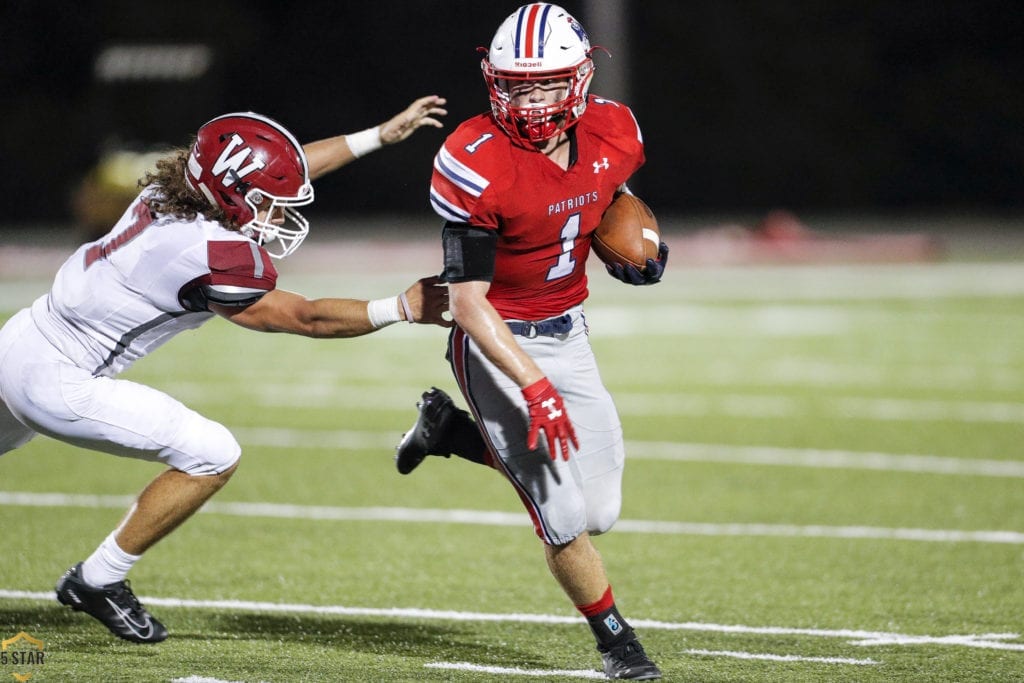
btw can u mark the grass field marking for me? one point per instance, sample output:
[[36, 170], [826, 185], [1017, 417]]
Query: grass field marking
[[823, 458], [989, 641], [781, 658], [202, 679], [819, 531], [332, 394], [674, 450], [846, 408], [515, 671], [511, 519], [647, 404], [316, 438], [916, 410], [708, 320], [819, 370]]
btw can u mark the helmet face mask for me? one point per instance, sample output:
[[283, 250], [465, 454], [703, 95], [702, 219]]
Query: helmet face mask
[[538, 46], [253, 169], [279, 239]]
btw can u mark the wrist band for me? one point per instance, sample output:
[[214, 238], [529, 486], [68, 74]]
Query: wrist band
[[383, 311], [406, 308], [364, 142]]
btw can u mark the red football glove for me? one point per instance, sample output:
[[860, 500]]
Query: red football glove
[[547, 412]]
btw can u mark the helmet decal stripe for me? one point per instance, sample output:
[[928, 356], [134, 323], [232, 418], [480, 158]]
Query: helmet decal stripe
[[541, 32], [528, 34], [518, 37]]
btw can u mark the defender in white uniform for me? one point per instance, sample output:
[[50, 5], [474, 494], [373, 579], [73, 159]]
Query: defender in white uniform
[[197, 242]]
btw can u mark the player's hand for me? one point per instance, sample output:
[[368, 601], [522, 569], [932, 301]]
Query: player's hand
[[422, 112], [650, 275], [547, 412], [427, 301]]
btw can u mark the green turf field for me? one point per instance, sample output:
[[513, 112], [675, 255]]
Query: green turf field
[[825, 483]]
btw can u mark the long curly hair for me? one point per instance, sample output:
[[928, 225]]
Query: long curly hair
[[173, 196]]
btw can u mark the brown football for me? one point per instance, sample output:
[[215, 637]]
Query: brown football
[[628, 233]]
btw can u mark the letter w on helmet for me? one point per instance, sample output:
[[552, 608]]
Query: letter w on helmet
[[248, 164]]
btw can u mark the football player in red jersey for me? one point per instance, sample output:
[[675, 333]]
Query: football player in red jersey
[[197, 242], [521, 190]]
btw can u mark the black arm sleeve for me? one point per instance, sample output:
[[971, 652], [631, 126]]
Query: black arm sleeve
[[469, 252]]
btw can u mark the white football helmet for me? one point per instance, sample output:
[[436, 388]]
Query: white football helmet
[[536, 43], [246, 163]]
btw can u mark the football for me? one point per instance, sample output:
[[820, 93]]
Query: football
[[628, 233]]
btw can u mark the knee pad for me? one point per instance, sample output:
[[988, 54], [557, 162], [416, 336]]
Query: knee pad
[[203, 447], [602, 514]]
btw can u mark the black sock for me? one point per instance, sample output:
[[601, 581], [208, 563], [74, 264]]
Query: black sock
[[463, 438], [609, 628]]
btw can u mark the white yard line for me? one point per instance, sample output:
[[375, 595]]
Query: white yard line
[[675, 451], [695, 404], [822, 458], [516, 671], [776, 319], [515, 519], [835, 407], [990, 641], [781, 658]]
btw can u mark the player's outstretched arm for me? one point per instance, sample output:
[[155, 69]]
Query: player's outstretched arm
[[330, 154], [425, 301]]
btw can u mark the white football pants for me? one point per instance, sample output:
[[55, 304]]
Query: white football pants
[[564, 498], [43, 392]]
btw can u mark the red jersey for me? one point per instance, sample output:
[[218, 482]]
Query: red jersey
[[544, 216]]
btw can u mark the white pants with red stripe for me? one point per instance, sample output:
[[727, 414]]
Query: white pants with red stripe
[[43, 392], [564, 498]]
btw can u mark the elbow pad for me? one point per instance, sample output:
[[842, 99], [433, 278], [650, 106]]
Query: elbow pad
[[469, 252]]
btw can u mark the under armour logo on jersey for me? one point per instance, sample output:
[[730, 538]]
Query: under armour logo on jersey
[[603, 164], [612, 623], [231, 166], [553, 412]]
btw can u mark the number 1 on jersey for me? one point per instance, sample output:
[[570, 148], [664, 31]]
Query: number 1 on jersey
[[566, 263]]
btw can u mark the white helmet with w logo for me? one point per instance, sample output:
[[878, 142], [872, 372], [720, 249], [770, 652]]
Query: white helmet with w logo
[[246, 164], [538, 43]]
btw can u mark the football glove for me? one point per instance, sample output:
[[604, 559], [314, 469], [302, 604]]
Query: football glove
[[650, 275], [547, 412]]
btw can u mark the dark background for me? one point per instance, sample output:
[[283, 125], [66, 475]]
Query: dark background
[[871, 105]]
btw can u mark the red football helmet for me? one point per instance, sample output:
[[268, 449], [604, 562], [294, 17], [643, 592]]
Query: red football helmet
[[538, 44], [246, 164]]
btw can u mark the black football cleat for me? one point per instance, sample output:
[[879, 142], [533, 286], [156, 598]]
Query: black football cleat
[[424, 438], [628, 661], [113, 605]]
